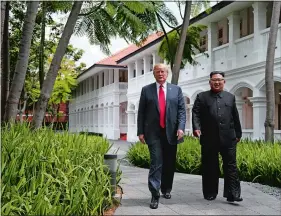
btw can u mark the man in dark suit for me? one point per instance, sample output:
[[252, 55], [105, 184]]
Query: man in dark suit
[[215, 121], [161, 122]]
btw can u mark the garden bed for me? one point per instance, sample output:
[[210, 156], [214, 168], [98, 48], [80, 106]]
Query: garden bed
[[257, 161]]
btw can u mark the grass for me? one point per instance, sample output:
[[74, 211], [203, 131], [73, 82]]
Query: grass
[[48, 173]]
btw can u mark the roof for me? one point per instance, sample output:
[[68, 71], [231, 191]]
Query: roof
[[111, 61], [115, 59]]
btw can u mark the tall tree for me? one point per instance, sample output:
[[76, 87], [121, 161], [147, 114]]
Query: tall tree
[[100, 21], [54, 68], [180, 47], [5, 59], [22, 62], [269, 82]]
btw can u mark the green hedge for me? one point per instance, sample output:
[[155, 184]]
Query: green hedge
[[48, 173], [256, 161]]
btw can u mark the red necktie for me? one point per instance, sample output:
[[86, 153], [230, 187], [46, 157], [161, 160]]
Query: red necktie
[[162, 106]]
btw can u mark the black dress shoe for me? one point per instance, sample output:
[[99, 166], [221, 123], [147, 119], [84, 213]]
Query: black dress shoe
[[232, 199], [154, 202], [167, 195], [210, 197]]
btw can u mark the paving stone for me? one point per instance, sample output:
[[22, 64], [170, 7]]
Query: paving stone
[[187, 197]]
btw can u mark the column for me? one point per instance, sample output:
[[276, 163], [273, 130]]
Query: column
[[130, 70], [234, 34], [259, 25], [155, 58], [106, 77], [259, 114], [239, 104], [116, 75], [139, 67], [116, 121], [146, 65], [212, 43], [130, 133], [110, 76], [100, 79]]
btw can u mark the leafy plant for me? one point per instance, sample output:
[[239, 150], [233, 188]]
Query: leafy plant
[[257, 161], [48, 173]]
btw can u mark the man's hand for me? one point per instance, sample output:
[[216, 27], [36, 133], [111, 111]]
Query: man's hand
[[238, 139], [141, 138], [197, 133], [179, 134]]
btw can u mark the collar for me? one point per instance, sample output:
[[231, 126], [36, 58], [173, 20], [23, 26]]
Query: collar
[[214, 94], [164, 85]]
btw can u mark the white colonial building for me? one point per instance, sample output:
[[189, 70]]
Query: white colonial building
[[106, 100]]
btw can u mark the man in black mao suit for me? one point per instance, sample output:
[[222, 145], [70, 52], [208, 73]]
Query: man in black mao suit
[[215, 120], [161, 122]]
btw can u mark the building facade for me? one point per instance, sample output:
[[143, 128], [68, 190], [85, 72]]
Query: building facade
[[236, 39]]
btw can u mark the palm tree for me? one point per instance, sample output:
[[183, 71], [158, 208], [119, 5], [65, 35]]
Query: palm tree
[[100, 21], [22, 62], [269, 82], [192, 43]]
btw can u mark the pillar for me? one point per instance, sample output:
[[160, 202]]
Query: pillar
[[259, 114], [139, 67], [212, 43], [146, 64], [234, 34], [239, 105], [259, 25], [110, 76], [155, 58], [116, 121], [130, 70]]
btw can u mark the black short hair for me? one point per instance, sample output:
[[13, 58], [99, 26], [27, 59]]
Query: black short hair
[[216, 72]]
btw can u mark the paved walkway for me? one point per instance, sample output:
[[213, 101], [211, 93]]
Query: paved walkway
[[187, 196]]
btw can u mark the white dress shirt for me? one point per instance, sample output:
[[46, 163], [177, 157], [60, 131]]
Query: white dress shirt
[[164, 89]]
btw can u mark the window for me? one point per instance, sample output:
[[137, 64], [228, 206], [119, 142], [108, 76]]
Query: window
[[203, 43], [102, 79], [134, 73], [220, 36], [250, 17]]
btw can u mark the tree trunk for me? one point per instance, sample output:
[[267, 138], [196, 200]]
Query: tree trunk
[[178, 57], [3, 12], [269, 82], [22, 62], [41, 49], [5, 59], [55, 64]]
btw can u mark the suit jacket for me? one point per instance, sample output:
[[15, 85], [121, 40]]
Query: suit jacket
[[217, 117], [149, 115]]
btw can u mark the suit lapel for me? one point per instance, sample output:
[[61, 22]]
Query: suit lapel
[[155, 96], [168, 94]]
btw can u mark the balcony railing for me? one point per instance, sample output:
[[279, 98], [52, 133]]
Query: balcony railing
[[119, 87], [243, 52]]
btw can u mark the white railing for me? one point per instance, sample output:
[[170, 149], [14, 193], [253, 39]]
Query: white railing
[[220, 57], [245, 51], [132, 83], [141, 82]]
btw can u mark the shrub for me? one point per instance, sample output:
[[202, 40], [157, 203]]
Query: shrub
[[44, 172], [257, 161]]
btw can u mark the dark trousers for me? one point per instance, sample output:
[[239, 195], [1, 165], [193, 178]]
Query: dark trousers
[[162, 165], [211, 171]]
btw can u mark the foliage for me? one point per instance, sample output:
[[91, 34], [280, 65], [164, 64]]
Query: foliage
[[47, 173], [31, 87], [132, 21], [257, 161], [192, 44]]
